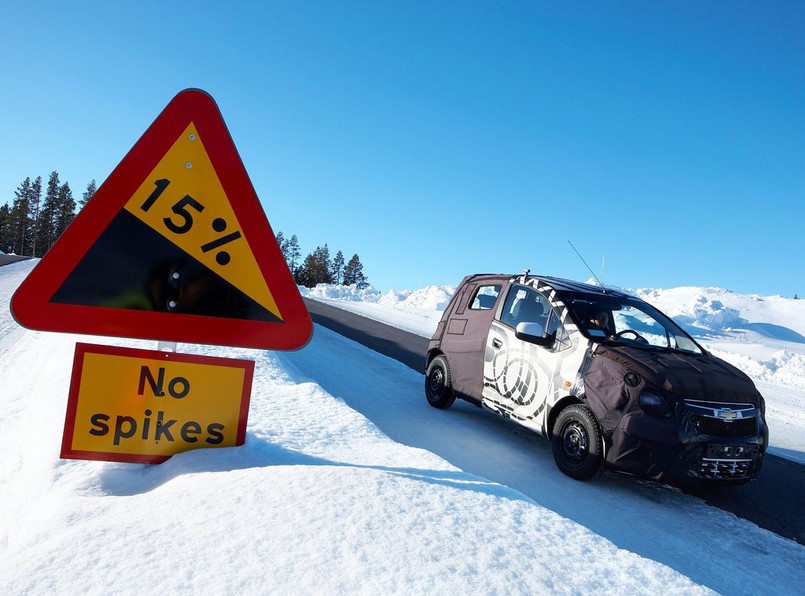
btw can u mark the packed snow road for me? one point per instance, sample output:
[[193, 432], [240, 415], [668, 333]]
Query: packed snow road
[[773, 502]]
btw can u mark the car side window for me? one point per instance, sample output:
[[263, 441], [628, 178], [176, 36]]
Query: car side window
[[485, 297], [525, 304]]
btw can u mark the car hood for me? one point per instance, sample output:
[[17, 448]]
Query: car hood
[[680, 376]]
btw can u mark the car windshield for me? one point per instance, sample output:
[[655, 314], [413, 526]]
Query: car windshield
[[629, 321]]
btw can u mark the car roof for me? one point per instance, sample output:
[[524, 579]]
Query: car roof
[[566, 287]]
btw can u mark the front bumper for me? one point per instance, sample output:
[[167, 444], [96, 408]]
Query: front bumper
[[702, 443]]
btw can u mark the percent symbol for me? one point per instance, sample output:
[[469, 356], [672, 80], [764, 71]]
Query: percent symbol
[[222, 257]]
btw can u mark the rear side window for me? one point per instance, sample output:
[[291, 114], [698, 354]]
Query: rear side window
[[485, 297]]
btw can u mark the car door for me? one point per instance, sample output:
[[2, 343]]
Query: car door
[[518, 374], [465, 334]]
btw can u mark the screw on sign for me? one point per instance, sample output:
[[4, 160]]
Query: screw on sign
[[182, 208]]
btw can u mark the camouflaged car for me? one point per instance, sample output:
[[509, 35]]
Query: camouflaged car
[[609, 379]]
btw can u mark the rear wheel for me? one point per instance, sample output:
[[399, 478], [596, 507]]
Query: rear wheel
[[577, 445], [438, 388]]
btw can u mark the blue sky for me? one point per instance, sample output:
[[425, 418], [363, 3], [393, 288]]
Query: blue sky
[[437, 139]]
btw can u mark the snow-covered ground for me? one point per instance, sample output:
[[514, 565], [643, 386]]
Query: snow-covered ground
[[350, 483]]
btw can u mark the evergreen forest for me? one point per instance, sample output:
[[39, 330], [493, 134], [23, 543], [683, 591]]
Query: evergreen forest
[[34, 219], [319, 268], [30, 224]]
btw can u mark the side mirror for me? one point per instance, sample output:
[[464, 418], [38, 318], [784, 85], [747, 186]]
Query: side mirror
[[534, 333]]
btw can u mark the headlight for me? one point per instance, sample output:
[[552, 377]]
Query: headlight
[[654, 404], [631, 379]]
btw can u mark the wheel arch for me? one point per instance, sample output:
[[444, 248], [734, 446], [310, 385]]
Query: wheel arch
[[556, 409], [432, 353], [570, 400]]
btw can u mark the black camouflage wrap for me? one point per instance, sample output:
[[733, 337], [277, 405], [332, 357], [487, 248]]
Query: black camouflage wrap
[[668, 449]]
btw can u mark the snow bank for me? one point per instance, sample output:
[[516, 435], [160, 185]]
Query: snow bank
[[427, 299], [417, 311], [431, 298], [349, 293]]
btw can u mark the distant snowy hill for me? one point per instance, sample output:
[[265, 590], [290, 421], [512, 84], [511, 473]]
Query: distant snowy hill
[[763, 335], [717, 310]]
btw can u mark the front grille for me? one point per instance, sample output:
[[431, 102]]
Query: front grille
[[725, 469], [725, 439], [705, 425]]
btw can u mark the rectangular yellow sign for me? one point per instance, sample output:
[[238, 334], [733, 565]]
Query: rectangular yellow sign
[[142, 406]]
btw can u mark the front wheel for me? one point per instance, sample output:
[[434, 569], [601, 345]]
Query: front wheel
[[577, 445], [438, 388]]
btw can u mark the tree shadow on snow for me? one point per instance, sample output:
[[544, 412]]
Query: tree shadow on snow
[[122, 480]]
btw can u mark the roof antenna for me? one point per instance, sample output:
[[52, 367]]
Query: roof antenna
[[602, 270], [588, 267], [525, 275]]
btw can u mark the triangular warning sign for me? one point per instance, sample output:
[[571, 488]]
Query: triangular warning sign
[[173, 246]]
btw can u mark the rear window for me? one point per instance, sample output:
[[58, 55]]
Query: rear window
[[485, 297]]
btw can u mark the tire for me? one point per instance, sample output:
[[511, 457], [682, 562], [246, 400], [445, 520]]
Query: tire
[[577, 445], [438, 388]]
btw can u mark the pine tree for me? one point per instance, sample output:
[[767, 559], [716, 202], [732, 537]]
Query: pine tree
[[65, 214], [34, 200], [20, 218], [304, 274], [353, 273], [46, 223], [291, 253], [316, 268], [337, 272], [92, 188], [5, 228], [294, 252], [325, 265], [283, 245]]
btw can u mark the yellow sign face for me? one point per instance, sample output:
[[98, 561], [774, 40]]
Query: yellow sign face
[[144, 406], [183, 200]]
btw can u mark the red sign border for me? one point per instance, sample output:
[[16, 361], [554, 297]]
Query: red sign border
[[67, 452], [31, 304]]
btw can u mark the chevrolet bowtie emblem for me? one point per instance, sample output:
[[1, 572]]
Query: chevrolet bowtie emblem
[[727, 414]]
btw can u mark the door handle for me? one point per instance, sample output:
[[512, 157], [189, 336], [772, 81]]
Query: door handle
[[496, 343]]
